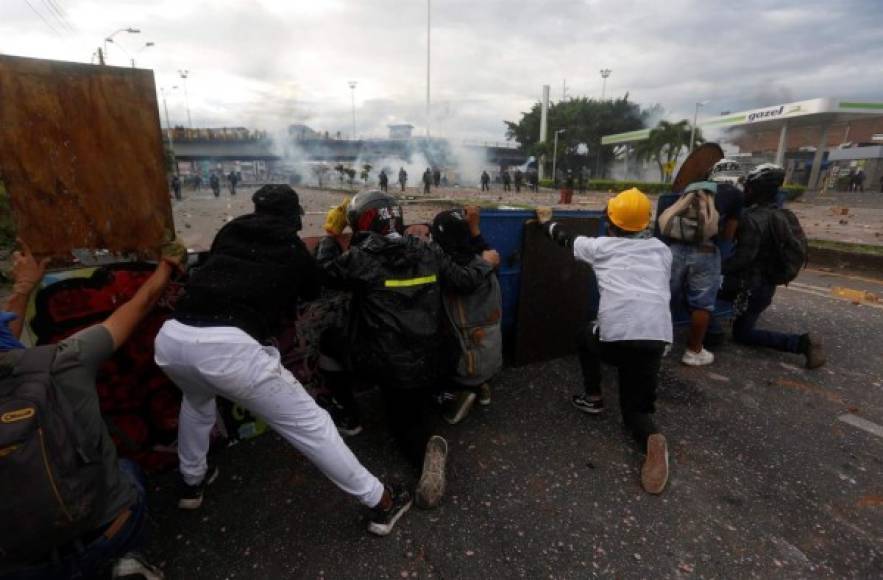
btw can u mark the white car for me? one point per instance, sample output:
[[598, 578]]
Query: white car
[[731, 171]]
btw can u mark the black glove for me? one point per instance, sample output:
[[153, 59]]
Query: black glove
[[557, 234]]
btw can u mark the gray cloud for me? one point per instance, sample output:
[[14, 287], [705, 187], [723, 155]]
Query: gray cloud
[[269, 63]]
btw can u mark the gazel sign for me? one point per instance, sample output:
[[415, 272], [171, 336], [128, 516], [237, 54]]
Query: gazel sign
[[766, 113], [776, 112]]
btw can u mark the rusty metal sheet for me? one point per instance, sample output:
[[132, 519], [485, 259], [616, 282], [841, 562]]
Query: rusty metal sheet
[[558, 294], [81, 155], [697, 165]]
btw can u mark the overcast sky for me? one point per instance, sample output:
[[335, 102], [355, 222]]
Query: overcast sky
[[270, 63]]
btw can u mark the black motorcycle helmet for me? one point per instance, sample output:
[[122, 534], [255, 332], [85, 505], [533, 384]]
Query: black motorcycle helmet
[[763, 182], [375, 211], [451, 231]]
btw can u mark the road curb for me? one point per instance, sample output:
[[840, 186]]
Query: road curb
[[845, 260]]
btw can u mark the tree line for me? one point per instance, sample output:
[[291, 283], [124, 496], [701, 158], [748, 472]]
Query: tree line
[[585, 120]]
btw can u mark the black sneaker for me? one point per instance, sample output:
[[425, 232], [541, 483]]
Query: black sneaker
[[384, 520], [190, 496], [588, 405], [347, 424], [484, 394], [132, 566]]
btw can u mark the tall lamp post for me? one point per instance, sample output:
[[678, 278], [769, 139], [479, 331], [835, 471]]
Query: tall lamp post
[[109, 38], [555, 156], [605, 72], [352, 85], [693, 127], [140, 50], [184, 74], [428, 45]]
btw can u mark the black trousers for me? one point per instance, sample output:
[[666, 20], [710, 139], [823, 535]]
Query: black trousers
[[637, 362], [410, 419], [410, 416]]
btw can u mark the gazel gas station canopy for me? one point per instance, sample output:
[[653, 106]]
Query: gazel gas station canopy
[[821, 113]]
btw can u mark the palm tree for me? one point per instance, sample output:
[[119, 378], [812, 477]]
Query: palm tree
[[665, 143]]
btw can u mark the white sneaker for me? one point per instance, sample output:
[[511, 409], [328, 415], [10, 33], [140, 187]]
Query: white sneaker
[[697, 359]]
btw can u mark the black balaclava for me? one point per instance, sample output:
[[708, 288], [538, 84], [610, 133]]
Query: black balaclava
[[279, 200], [451, 232]]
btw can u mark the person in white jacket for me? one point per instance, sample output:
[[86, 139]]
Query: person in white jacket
[[634, 321]]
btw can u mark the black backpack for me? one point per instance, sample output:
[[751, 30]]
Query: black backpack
[[49, 487], [789, 251]]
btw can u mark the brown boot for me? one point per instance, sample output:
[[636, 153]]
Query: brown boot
[[431, 487], [814, 350], [654, 473]]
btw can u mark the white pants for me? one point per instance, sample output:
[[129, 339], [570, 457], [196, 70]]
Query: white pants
[[225, 361]]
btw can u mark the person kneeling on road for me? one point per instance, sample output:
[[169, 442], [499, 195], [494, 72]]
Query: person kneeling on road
[[394, 332], [70, 506], [771, 248], [257, 270], [473, 317], [634, 320]]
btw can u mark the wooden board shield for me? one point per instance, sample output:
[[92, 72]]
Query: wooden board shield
[[697, 165], [82, 157], [558, 297]]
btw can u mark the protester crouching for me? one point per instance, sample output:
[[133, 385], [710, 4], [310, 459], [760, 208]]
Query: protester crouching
[[473, 317], [634, 321], [394, 337], [771, 248], [218, 344], [71, 507]]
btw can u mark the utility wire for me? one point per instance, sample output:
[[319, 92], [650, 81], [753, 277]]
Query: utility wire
[[56, 12], [43, 18]]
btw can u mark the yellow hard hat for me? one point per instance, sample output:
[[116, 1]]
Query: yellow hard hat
[[630, 210]]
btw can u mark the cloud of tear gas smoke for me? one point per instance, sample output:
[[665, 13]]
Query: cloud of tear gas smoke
[[469, 162], [414, 166]]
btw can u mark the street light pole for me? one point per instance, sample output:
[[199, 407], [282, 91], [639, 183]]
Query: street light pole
[[352, 85], [184, 74], [140, 50], [555, 156], [428, 46], [109, 38], [605, 72], [693, 127]]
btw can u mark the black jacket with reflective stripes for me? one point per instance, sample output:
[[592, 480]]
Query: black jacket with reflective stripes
[[395, 324]]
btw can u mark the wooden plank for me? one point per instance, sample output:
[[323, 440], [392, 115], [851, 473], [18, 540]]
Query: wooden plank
[[697, 165], [81, 155], [558, 294]]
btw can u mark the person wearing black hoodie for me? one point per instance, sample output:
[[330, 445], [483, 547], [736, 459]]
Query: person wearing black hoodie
[[217, 344], [395, 322]]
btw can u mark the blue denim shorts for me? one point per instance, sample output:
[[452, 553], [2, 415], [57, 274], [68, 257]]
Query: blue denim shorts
[[695, 273]]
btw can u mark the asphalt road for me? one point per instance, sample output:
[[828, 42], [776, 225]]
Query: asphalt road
[[770, 477]]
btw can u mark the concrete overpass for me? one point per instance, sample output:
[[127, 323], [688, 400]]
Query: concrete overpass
[[437, 151]]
